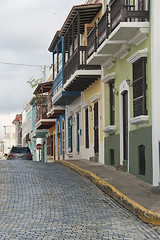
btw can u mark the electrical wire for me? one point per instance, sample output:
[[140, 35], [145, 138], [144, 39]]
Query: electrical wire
[[23, 64]]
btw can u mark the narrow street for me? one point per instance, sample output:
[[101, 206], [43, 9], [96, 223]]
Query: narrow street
[[50, 201]]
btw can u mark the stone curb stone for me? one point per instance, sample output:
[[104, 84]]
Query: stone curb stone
[[138, 210]]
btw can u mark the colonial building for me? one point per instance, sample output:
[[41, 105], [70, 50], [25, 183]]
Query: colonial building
[[122, 47]]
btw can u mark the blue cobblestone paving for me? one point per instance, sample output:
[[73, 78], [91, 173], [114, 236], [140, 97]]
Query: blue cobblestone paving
[[50, 201]]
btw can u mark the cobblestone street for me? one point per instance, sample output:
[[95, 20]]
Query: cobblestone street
[[50, 201]]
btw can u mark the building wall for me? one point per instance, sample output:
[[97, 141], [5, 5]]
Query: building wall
[[137, 135], [71, 111], [155, 46], [95, 88]]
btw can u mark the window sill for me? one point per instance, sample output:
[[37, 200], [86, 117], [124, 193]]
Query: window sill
[[111, 129], [140, 120]]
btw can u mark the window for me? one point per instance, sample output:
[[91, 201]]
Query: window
[[69, 134], [141, 150], [139, 87], [112, 107], [86, 128], [112, 157], [50, 145]]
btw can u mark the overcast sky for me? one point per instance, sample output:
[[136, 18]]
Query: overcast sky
[[27, 28]]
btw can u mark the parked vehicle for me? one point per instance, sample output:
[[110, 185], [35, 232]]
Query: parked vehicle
[[23, 153]]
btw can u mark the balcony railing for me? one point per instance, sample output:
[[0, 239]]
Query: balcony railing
[[92, 41], [117, 11], [41, 112], [103, 28], [49, 103], [58, 82], [77, 62], [127, 11]]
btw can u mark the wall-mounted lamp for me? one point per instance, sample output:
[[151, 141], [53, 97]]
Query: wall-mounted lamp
[[128, 81], [115, 91]]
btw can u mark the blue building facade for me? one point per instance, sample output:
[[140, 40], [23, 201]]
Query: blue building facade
[[60, 97]]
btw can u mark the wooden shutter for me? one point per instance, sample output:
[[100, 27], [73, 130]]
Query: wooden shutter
[[49, 145], [139, 87], [87, 128], [69, 135], [112, 107], [78, 133]]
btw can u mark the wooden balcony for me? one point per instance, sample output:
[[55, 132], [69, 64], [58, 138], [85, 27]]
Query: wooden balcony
[[77, 74], [53, 111], [128, 20], [92, 41], [58, 82], [95, 39], [42, 121], [121, 24]]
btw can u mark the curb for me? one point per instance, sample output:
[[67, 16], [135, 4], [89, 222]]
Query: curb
[[144, 214]]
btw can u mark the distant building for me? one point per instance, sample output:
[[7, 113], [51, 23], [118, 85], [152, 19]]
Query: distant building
[[9, 139], [1, 149], [18, 130]]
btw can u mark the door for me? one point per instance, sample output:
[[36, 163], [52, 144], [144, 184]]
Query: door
[[58, 141], [54, 147], [96, 129], [78, 133], [125, 125], [63, 139], [51, 145], [70, 134]]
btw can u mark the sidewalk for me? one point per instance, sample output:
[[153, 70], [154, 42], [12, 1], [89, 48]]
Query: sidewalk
[[141, 192], [141, 198]]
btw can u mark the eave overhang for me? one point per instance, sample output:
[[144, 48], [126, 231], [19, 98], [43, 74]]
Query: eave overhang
[[87, 13], [39, 133], [81, 79], [43, 87], [55, 112], [54, 42], [45, 123], [63, 98]]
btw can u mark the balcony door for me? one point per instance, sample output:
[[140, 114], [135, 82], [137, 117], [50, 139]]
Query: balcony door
[[96, 129]]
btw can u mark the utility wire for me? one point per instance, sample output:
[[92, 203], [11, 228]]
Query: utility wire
[[23, 64]]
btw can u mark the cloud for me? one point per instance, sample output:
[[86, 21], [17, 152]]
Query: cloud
[[27, 28]]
